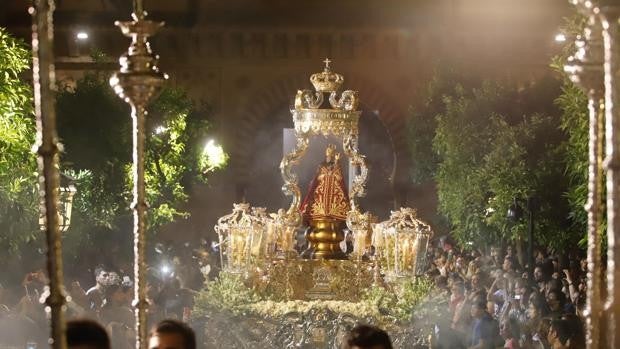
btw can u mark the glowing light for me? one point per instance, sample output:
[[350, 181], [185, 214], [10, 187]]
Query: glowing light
[[160, 129], [81, 35], [560, 38], [165, 269], [215, 154]]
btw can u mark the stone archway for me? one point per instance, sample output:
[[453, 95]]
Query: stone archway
[[270, 102]]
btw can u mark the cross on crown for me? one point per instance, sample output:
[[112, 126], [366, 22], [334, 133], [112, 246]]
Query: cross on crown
[[327, 61]]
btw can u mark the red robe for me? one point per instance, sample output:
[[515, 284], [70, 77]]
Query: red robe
[[327, 196]]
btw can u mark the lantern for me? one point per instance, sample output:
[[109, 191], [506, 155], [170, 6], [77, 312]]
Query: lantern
[[360, 225], [282, 238], [401, 243], [233, 231], [66, 191]]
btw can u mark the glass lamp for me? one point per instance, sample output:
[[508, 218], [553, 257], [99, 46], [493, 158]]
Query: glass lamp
[[243, 236], [401, 243], [66, 192]]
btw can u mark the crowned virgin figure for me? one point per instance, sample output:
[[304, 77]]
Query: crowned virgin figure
[[325, 209]]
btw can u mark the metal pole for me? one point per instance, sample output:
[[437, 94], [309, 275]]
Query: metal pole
[[609, 14], [596, 109], [530, 237], [140, 207], [592, 82], [47, 150], [585, 68], [138, 82]]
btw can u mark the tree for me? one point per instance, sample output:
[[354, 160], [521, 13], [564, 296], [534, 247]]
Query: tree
[[95, 129], [18, 194], [491, 144], [422, 122], [575, 123]]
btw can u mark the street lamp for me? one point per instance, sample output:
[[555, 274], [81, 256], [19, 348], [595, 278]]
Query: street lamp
[[66, 192], [215, 155], [515, 213], [561, 37], [81, 35]]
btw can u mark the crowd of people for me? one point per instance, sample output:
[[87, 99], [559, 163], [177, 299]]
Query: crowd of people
[[492, 301], [174, 334], [107, 301]]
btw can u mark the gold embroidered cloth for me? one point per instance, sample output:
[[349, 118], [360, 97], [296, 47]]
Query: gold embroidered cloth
[[327, 196]]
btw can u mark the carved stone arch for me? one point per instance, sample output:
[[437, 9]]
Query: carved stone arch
[[280, 93], [261, 106], [393, 117]]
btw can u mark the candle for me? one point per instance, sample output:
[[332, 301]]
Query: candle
[[396, 252]]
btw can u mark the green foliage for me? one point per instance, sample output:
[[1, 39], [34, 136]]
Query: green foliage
[[94, 127], [486, 144], [574, 122], [400, 301], [227, 292], [573, 103], [175, 154], [422, 123], [380, 297], [100, 151], [493, 143], [18, 200]]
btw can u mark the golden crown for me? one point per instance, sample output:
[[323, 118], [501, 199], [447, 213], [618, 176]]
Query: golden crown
[[327, 81]]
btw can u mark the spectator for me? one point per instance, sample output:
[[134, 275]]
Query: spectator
[[86, 334], [556, 299], [95, 294], [78, 295], [172, 334], [496, 259], [477, 282], [542, 276], [117, 316], [519, 302], [509, 330], [458, 301], [498, 294], [509, 265], [559, 334], [367, 337], [537, 310], [484, 331]]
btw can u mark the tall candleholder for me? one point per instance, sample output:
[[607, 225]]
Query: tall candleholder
[[47, 151], [137, 82], [609, 14], [585, 68]]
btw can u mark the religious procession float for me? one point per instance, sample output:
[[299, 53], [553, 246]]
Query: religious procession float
[[270, 296]]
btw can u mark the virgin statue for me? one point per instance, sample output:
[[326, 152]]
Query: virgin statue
[[325, 209]]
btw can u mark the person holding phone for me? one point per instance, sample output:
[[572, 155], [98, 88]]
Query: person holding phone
[[520, 300], [573, 287]]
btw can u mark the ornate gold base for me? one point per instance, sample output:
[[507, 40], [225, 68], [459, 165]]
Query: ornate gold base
[[324, 237], [306, 279]]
